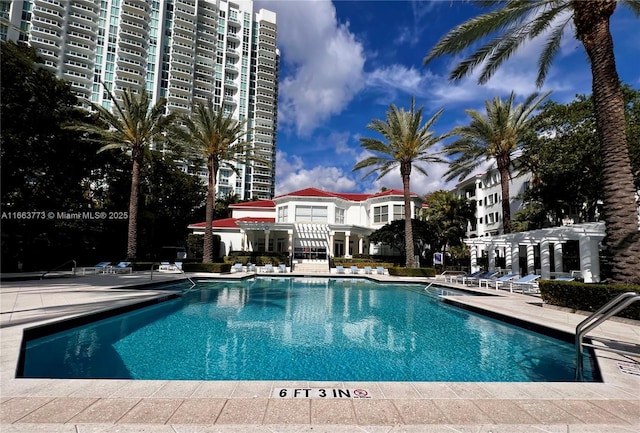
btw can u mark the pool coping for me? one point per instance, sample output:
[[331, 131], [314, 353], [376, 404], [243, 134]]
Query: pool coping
[[243, 405]]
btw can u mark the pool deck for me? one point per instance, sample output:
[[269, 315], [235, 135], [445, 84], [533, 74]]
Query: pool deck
[[126, 406]]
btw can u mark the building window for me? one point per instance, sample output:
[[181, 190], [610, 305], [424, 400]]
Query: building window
[[398, 212], [339, 216], [313, 214], [283, 214], [381, 214]]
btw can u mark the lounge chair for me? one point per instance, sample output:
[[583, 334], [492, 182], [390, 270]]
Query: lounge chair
[[564, 279], [122, 267], [251, 267], [178, 266], [527, 283], [282, 268], [380, 270], [461, 278], [167, 267], [368, 270], [497, 281], [339, 270], [268, 268], [486, 276], [354, 270], [100, 267], [236, 267]]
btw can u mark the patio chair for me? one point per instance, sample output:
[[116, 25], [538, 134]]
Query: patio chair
[[455, 278], [167, 267], [178, 266], [339, 270], [527, 283], [368, 270], [100, 267], [268, 268], [236, 267], [251, 267], [282, 268], [497, 281], [380, 270], [354, 270], [485, 276], [122, 267]]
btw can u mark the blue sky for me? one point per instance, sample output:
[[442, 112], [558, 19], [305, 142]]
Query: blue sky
[[344, 62]]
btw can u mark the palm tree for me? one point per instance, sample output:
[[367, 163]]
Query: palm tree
[[518, 21], [132, 126], [406, 143], [496, 135], [218, 139]]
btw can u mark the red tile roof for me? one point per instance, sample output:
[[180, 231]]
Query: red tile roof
[[232, 222], [315, 192], [255, 204]]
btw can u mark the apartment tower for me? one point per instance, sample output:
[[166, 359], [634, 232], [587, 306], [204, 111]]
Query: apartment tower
[[187, 51]]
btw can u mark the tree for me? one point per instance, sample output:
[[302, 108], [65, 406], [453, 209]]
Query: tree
[[447, 217], [518, 21], [393, 235], [407, 142], [132, 127], [218, 138], [494, 136]]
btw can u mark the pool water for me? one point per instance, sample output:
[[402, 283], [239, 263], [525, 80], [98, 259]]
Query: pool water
[[302, 329]]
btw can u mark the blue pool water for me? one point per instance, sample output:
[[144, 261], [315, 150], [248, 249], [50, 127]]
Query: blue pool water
[[302, 329]]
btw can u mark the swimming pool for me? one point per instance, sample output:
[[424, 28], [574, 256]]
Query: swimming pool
[[323, 329]]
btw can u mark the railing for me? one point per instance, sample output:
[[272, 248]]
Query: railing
[[58, 267], [611, 308]]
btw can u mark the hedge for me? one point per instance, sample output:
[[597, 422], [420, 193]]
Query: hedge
[[207, 267], [412, 272], [360, 262], [257, 257], [587, 297]]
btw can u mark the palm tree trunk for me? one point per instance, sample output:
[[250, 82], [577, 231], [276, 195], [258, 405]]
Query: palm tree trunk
[[620, 209], [408, 227], [503, 169], [132, 231], [207, 256]]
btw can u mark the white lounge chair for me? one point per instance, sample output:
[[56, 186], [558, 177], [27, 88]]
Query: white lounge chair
[[380, 270], [354, 270], [368, 270], [527, 284], [282, 268], [497, 281], [100, 267], [237, 267], [339, 270], [167, 267], [122, 267], [268, 268]]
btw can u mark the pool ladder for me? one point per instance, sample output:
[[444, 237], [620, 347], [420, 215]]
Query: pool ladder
[[611, 308]]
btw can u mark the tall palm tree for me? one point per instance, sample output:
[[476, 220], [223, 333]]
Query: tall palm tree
[[132, 126], [517, 21], [406, 142], [218, 138], [494, 136]]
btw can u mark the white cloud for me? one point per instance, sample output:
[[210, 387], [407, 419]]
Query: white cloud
[[323, 63], [292, 176]]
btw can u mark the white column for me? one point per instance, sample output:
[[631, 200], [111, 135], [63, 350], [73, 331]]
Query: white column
[[557, 256], [515, 259], [347, 253], [474, 258], [243, 240], [360, 243], [507, 256], [531, 264], [331, 235], [290, 243], [266, 240], [589, 259], [492, 258], [545, 259]]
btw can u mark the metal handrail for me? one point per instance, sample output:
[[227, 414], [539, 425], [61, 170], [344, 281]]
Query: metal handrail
[[609, 309], [58, 267]]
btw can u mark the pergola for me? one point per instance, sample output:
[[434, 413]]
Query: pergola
[[588, 236]]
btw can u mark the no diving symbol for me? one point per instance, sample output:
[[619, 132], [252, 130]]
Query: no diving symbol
[[361, 393]]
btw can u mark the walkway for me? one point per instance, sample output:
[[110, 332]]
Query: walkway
[[83, 406]]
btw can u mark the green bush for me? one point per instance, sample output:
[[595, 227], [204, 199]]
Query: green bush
[[412, 272], [359, 262], [587, 297], [207, 267], [259, 258]]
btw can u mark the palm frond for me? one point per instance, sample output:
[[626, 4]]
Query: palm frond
[[549, 52], [634, 5]]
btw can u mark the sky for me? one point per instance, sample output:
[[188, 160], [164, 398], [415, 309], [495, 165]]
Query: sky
[[344, 62]]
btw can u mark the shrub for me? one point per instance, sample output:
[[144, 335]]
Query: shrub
[[257, 257], [587, 297], [207, 267], [412, 272]]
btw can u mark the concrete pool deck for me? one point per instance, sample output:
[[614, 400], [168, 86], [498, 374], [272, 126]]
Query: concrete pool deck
[[84, 406]]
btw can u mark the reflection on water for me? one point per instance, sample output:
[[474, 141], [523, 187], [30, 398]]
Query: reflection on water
[[303, 329]]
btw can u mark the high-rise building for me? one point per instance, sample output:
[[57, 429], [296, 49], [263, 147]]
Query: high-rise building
[[186, 51]]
